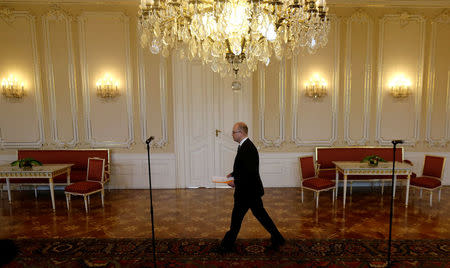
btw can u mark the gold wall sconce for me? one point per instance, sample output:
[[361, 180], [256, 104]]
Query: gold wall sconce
[[12, 88], [107, 88], [316, 88], [400, 87]]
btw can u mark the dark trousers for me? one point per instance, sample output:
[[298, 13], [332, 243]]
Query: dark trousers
[[239, 210]]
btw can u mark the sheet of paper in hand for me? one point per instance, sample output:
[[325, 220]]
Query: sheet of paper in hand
[[218, 179]]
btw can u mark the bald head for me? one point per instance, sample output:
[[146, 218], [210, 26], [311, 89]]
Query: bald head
[[240, 131], [242, 127]]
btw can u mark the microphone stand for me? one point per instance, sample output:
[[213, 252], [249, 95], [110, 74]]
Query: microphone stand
[[151, 199], [394, 142]]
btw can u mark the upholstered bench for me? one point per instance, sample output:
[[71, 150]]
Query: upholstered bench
[[77, 157]]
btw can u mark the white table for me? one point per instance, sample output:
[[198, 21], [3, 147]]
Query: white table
[[383, 168], [45, 171]]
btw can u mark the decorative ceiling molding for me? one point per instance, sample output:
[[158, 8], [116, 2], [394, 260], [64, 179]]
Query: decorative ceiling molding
[[7, 15], [59, 14], [334, 3]]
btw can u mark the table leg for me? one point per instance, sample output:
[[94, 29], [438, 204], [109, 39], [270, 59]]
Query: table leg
[[407, 190], [52, 193], [337, 183], [9, 189], [345, 187], [68, 176]]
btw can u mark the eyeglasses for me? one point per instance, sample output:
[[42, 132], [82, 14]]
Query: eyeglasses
[[234, 132]]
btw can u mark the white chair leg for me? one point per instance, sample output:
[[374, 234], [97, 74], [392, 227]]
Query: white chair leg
[[439, 195], [351, 187], [103, 198], [317, 199], [68, 201], [431, 198], [302, 194], [333, 194], [35, 191], [85, 203]]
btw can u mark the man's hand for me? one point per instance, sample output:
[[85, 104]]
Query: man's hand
[[229, 175], [231, 183]]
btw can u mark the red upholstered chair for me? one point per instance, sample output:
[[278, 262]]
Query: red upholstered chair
[[94, 182], [431, 179], [310, 181]]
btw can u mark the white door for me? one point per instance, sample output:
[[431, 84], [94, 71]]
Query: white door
[[205, 110]]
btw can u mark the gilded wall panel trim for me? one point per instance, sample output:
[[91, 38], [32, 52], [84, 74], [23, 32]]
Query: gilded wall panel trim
[[90, 139], [281, 105], [363, 18], [402, 19], [58, 15], [334, 91], [444, 18], [9, 17], [161, 142]]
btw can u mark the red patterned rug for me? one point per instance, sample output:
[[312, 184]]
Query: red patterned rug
[[87, 252]]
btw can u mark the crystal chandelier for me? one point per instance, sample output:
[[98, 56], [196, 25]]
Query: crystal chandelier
[[233, 35]]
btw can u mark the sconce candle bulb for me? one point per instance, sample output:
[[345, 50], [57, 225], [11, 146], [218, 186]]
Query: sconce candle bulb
[[12, 88], [316, 87], [107, 88], [400, 87]]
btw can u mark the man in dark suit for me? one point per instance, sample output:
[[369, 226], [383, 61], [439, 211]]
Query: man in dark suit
[[248, 191]]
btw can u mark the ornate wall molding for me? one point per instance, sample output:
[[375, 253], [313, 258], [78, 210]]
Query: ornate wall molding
[[10, 17], [282, 96], [93, 141], [403, 19], [334, 91], [57, 14], [362, 18], [444, 18], [163, 99]]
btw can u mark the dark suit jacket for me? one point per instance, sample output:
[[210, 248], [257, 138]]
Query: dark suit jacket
[[246, 172]]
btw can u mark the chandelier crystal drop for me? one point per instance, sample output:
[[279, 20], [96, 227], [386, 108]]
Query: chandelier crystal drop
[[233, 35]]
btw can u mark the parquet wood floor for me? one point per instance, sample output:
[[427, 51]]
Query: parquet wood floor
[[205, 213]]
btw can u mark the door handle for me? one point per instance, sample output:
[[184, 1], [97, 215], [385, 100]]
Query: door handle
[[217, 132]]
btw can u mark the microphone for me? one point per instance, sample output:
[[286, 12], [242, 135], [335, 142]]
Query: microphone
[[397, 142], [149, 139]]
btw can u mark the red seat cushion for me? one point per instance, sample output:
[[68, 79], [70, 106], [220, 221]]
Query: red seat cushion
[[425, 182], [83, 187], [318, 183]]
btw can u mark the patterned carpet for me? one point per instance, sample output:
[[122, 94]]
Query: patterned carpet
[[248, 253]]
